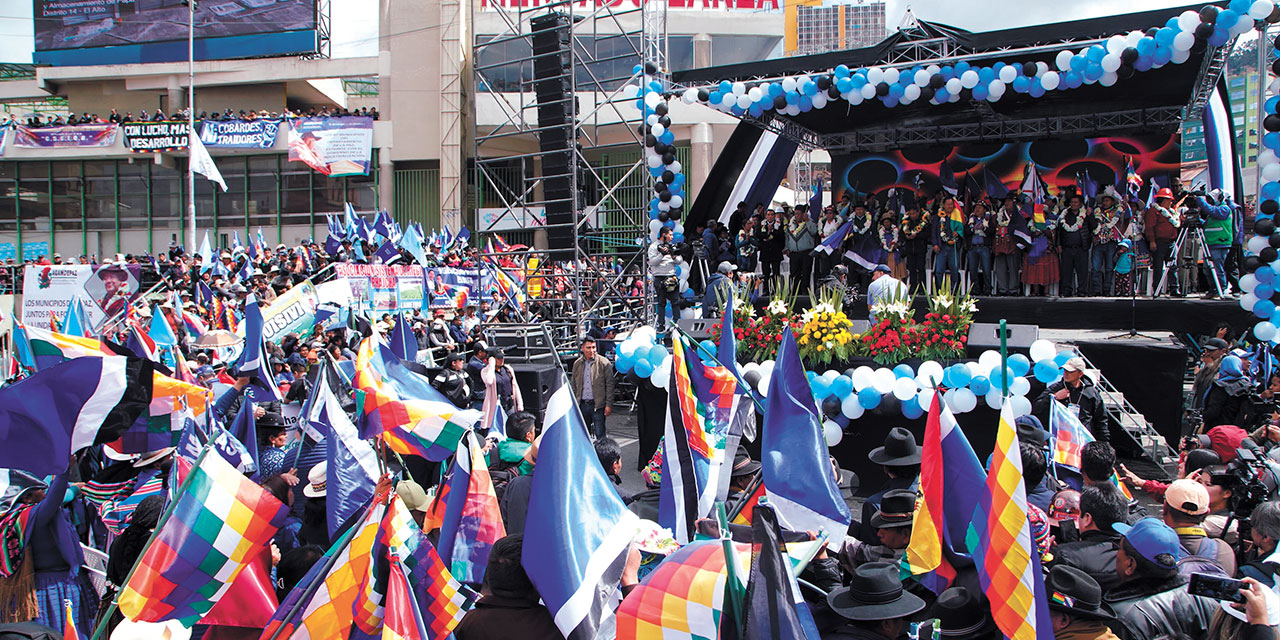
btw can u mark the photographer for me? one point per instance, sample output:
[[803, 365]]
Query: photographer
[[1227, 399], [666, 286], [1264, 532], [1219, 523]]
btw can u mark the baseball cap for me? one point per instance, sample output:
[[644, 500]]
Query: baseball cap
[[1030, 430], [1224, 439], [883, 268], [1150, 538], [726, 267], [1215, 344], [1188, 496], [1074, 364]]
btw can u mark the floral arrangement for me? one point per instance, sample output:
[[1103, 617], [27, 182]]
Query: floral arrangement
[[894, 335], [946, 325], [824, 334], [759, 336], [891, 336]]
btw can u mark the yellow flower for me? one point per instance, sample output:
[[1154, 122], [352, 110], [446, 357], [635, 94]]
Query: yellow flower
[[819, 347]]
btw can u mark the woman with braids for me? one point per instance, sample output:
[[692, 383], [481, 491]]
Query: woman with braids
[[42, 560], [127, 548]]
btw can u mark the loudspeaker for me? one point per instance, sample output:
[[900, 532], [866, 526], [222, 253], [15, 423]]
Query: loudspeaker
[[986, 335], [553, 82], [537, 383], [699, 328]]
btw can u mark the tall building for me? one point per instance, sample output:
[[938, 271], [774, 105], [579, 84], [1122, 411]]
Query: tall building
[[817, 26], [1242, 91]]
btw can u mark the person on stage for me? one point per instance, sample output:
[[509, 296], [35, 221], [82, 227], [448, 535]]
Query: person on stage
[[1072, 235], [1004, 249], [1161, 223], [913, 243], [948, 231], [981, 234], [1108, 220]]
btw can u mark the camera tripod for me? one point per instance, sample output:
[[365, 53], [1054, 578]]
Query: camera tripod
[[1197, 235]]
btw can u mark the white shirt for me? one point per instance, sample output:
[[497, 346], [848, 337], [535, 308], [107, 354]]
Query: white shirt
[[883, 288]]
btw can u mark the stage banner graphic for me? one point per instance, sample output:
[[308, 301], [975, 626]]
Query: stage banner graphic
[[81, 135], [1061, 162], [376, 287], [239, 134], [165, 135], [293, 311], [104, 290], [332, 146]]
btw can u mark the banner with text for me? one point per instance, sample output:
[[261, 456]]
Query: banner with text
[[81, 135], [165, 135], [103, 290], [239, 134], [293, 311], [332, 146], [377, 287]]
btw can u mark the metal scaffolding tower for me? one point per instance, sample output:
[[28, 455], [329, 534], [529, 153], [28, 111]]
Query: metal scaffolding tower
[[586, 265]]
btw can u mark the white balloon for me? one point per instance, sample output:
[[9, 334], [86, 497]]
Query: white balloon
[[652, 98], [1116, 44], [892, 75], [645, 334], [875, 75], [676, 167], [1267, 157], [1020, 386], [884, 381], [925, 399], [993, 399], [955, 97], [1243, 25], [966, 401], [954, 85], [969, 79], [630, 91], [660, 376], [996, 89], [1021, 406], [689, 96], [1184, 40], [1255, 245], [1111, 62], [930, 370], [864, 377], [1188, 20], [949, 399], [1108, 79], [854, 97], [904, 389], [820, 100], [989, 360], [1248, 282], [664, 206], [655, 225], [766, 366], [911, 92], [1131, 39], [831, 433], [976, 370], [1260, 9], [921, 79], [750, 366], [1063, 60], [1041, 68], [755, 94], [1042, 350], [829, 375], [1271, 172], [675, 203], [651, 119], [658, 129], [1050, 80], [1182, 55], [788, 84], [744, 101], [763, 387], [933, 69], [1247, 301], [739, 88], [1008, 74], [868, 91]]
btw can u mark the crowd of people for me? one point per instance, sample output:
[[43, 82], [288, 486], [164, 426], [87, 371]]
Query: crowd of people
[[37, 121], [1072, 245]]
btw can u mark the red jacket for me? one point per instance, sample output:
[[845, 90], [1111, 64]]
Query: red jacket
[[1157, 228]]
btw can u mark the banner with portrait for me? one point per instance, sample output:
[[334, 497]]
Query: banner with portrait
[[333, 146], [104, 291], [384, 288], [80, 135], [239, 134]]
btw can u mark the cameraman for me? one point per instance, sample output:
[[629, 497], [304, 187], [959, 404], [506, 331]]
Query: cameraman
[[1264, 533], [1227, 399], [1218, 212], [666, 286]]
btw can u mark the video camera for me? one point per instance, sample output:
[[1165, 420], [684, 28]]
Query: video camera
[[1250, 480]]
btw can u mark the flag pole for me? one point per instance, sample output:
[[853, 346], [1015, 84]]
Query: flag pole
[[164, 518], [733, 585], [1004, 358]]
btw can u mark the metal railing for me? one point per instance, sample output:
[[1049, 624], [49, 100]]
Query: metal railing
[[1127, 416]]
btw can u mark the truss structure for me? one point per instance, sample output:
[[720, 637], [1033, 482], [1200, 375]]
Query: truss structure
[[324, 30], [594, 278]]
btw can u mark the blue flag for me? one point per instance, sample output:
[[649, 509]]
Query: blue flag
[[411, 241], [382, 224], [76, 322], [206, 254], [833, 241], [253, 360], [245, 429], [815, 200], [349, 219], [947, 176], [775, 609], [574, 509], [794, 460], [357, 247], [388, 252], [403, 342], [352, 463], [993, 186]]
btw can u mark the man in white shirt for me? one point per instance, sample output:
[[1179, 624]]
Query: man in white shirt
[[666, 286], [883, 286]]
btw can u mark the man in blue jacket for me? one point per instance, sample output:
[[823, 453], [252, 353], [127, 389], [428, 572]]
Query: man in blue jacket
[[1219, 233]]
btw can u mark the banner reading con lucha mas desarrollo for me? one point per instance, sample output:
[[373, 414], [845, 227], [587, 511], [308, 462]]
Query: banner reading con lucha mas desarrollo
[[145, 137]]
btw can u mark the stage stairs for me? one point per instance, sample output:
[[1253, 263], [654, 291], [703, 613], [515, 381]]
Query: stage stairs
[[1128, 417]]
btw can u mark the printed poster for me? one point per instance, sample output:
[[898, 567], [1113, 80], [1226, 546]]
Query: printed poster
[[103, 290], [332, 146]]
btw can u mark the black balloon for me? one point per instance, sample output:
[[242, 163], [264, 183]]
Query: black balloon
[[779, 102], [668, 158], [1029, 69], [1125, 71], [752, 378], [1275, 15], [665, 121], [1151, 32], [823, 82], [674, 213], [1268, 255], [665, 196], [661, 187], [668, 176], [1199, 46], [1130, 55], [1270, 207], [651, 141], [703, 95], [661, 108], [1275, 66], [660, 149], [1271, 122], [1205, 30], [889, 406], [1264, 226], [1277, 40], [833, 92], [936, 81], [1250, 264], [651, 68], [1274, 240], [926, 93], [663, 217], [831, 407], [1209, 14], [882, 89]]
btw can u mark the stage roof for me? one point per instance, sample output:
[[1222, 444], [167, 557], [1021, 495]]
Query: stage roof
[[1154, 99]]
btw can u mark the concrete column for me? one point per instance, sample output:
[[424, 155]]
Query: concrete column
[[701, 157], [175, 94], [701, 51], [386, 179]]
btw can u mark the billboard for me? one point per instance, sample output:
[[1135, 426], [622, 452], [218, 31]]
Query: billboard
[[89, 32], [81, 135], [383, 288]]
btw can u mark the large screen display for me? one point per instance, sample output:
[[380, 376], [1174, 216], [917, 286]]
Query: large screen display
[[77, 32]]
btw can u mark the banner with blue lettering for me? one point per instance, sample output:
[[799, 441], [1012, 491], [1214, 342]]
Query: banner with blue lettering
[[239, 134]]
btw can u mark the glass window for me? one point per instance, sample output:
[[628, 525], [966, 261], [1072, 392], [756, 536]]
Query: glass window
[[133, 194], [66, 196]]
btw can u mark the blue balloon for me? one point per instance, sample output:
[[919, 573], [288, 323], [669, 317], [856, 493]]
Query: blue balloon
[[716, 97], [755, 110], [981, 91], [708, 345], [1264, 308], [1079, 62], [869, 398], [941, 96], [820, 389], [1063, 356], [1019, 364], [911, 410], [806, 103], [1144, 63], [842, 71], [1074, 79], [961, 375], [725, 87], [1265, 273], [947, 72], [1021, 84], [793, 97], [841, 387], [997, 377], [1219, 37], [1036, 89], [1271, 191], [1146, 46], [1096, 53], [962, 67], [903, 371], [737, 111], [986, 75], [1093, 72], [1164, 36], [1046, 371], [667, 137], [1228, 18], [1271, 104], [980, 385], [859, 80], [677, 237], [896, 90], [890, 101], [1264, 290], [625, 362], [843, 85], [655, 354], [810, 88], [1162, 56], [643, 368]]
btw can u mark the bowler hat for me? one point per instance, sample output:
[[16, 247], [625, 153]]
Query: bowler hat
[[743, 465], [897, 509], [874, 593], [961, 613], [899, 450], [1075, 593]]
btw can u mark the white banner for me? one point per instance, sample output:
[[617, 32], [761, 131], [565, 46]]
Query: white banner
[[103, 290]]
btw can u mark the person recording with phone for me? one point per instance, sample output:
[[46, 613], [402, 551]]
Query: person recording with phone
[[666, 285]]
